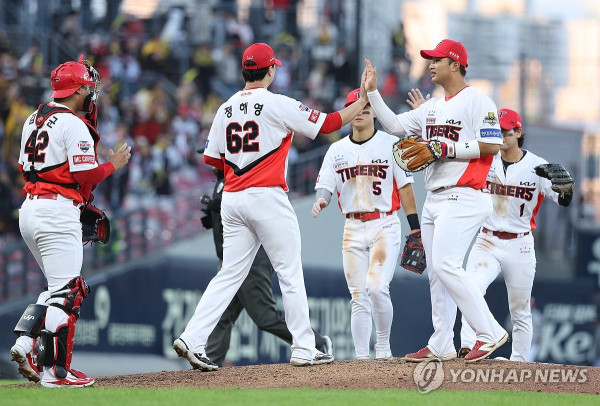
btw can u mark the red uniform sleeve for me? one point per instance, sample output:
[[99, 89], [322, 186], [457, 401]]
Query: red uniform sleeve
[[333, 122], [214, 162], [94, 176]]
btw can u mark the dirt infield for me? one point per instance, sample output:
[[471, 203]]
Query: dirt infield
[[380, 374]]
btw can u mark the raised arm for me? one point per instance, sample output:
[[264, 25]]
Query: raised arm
[[384, 114]]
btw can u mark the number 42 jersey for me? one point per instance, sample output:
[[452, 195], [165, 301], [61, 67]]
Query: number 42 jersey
[[252, 133]]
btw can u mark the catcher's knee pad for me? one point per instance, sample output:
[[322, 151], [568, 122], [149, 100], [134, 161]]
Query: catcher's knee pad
[[73, 293], [31, 321]]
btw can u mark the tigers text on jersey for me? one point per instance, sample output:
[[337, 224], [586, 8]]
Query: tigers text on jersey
[[364, 174], [466, 116], [252, 133], [63, 144], [517, 194]]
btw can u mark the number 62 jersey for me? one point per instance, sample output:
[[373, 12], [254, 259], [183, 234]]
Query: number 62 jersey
[[364, 174], [251, 136]]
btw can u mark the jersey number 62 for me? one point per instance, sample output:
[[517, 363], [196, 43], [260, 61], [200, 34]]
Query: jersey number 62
[[241, 138]]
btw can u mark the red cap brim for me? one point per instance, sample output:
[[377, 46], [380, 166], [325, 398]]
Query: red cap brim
[[430, 54]]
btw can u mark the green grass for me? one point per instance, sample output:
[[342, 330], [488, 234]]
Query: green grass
[[302, 397]]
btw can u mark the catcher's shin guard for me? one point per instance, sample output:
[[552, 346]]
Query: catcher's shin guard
[[31, 321], [55, 348]]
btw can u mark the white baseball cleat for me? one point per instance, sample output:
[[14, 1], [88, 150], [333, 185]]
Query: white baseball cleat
[[27, 366], [383, 352], [319, 359]]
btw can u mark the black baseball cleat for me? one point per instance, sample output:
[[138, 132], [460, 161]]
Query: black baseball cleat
[[463, 352], [197, 361]]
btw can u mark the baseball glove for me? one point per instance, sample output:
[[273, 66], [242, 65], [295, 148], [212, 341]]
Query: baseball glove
[[413, 256], [95, 226], [414, 154], [562, 181]]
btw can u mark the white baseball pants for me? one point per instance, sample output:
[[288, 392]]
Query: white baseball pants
[[370, 252], [515, 258], [449, 222], [52, 231], [251, 217]]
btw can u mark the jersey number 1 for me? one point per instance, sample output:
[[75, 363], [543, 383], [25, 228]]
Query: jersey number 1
[[35, 144], [241, 138]]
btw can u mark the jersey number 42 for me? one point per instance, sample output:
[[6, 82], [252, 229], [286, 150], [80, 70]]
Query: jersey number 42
[[34, 146]]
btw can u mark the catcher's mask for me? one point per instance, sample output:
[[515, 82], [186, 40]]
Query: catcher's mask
[[70, 76]]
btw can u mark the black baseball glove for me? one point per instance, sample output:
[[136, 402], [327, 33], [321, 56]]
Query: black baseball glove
[[95, 226], [562, 181], [413, 256]]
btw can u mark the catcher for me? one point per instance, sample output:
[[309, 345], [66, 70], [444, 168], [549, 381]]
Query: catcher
[[59, 163], [370, 189], [518, 180]]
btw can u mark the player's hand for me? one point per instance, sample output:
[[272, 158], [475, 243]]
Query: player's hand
[[319, 205], [415, 98], [371, 77], [120, 158], [363, 92]]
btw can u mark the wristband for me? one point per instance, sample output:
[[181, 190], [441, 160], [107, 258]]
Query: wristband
[[466, 150], [413, 221]]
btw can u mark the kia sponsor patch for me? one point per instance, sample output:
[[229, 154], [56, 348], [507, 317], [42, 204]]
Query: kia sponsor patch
[[84, 159]]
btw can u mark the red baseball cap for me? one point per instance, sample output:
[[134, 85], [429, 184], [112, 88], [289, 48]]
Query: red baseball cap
[[448, 49], [261, 54], [352, 97], [509, 119]]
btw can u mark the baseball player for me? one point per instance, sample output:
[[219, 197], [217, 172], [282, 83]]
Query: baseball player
[[255, 294], [249, 140], [370, 189], [505, 242], [59, 163], [462, 129]]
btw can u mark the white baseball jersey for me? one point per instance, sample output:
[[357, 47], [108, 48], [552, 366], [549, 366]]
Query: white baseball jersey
[[452, 215], [517, 194], [466, 116], [252, 133], [61, 145], [364, 174]]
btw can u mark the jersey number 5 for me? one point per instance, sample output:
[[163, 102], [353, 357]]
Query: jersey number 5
[[241, 138], [35, 144]]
